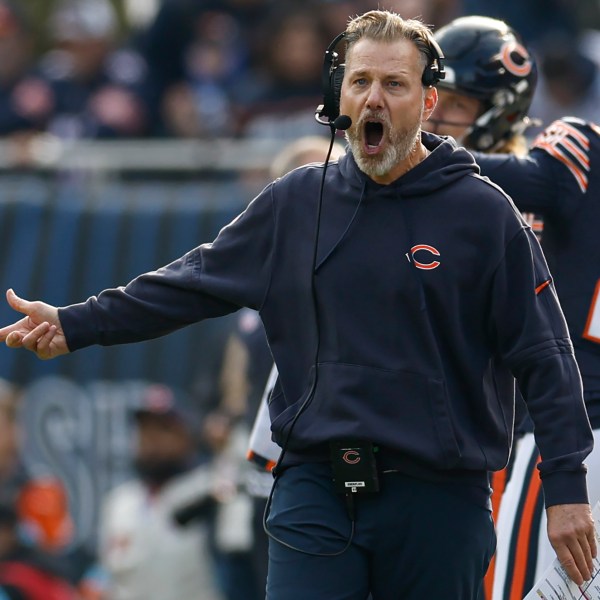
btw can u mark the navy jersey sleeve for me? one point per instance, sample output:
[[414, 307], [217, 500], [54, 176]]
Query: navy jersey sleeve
[[555, 175]]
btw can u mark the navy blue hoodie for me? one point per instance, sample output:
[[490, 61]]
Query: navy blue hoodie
[[431, 294]]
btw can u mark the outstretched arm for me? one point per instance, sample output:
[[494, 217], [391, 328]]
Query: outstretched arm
[[39, 331]]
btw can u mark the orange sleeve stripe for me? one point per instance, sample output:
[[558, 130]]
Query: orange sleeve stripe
[[542, 286], [579, 176], [573, 131], [524, 537], [257, 459], [498, 485], [582, 158]]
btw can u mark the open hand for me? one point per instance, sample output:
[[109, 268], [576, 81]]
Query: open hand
[[39, 331]]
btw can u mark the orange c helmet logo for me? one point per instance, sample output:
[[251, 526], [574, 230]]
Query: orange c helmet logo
[[351, 457], [521, 68], [425, 248]]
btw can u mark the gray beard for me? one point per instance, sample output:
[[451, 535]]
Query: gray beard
[[400, 146]]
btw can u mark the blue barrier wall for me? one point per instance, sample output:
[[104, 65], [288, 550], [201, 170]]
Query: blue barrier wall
[[64, 239]]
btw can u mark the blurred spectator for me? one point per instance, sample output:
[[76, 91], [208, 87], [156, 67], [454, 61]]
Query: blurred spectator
[[140, 13], [294, 40], [569, 82], [11, 472], [43, 528], [146, 554], [97, 86], [196, 51], [26, 573], [45, 523], [43, 511], [25, 103], [337, 13], [433, 12], [28, 570], [199, 104]]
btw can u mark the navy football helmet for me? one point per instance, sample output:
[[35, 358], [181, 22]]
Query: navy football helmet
[[486, 59]]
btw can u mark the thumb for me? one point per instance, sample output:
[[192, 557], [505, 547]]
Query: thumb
[[17, 303]]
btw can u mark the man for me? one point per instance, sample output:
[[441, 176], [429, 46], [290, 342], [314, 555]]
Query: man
[[26, 571], [389, 310], [143, 551], [556, 180]]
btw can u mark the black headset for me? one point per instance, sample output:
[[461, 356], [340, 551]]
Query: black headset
[[333, 75]]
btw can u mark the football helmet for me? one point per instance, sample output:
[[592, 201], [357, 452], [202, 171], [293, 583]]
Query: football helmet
[[486, 59]]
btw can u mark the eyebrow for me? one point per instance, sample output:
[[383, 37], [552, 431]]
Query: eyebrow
[[363, 72]]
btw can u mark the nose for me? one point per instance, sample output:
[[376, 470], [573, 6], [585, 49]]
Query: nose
[[375, 97]]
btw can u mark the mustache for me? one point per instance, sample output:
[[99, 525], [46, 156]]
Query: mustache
[[374, 116]]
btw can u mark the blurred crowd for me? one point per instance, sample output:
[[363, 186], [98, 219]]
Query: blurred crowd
[[237, 68], [187, 522], [182, 521]]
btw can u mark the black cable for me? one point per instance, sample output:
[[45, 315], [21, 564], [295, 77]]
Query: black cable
[[342, 122]]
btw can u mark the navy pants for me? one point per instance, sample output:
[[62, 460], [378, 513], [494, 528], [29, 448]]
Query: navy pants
[[413, 540]]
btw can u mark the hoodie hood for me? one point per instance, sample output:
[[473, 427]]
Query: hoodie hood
[[446, 163]]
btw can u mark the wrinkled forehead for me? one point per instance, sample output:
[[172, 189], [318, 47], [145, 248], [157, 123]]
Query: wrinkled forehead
[[384, 55], [400, 53]]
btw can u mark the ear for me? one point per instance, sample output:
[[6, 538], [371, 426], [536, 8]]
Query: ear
[[429, 101]]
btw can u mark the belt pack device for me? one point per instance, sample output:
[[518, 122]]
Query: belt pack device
[[354, 466]]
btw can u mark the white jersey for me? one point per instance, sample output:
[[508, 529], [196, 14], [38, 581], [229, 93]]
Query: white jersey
[[146, 554], [261, 449], [523, 551]]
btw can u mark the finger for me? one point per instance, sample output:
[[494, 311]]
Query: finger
[[590, 541], [30, 341], [6, 331], [591, 538], [43, 343], [569, 564], [13, 339], [573, 572], [577, 567], [586, 563]]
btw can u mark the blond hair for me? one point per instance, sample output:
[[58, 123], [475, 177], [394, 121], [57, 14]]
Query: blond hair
[[387, 26]]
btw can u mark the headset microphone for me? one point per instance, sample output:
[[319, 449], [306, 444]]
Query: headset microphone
[[342, 123]]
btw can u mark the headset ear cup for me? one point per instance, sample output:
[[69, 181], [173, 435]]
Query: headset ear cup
[[434, 71], [428, 76], [337, 77]]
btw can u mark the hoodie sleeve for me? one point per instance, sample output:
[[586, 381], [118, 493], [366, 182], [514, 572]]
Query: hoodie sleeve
[[209, 281], [533, 341]]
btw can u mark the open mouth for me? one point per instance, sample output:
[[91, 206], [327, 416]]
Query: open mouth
[[373, 133]]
